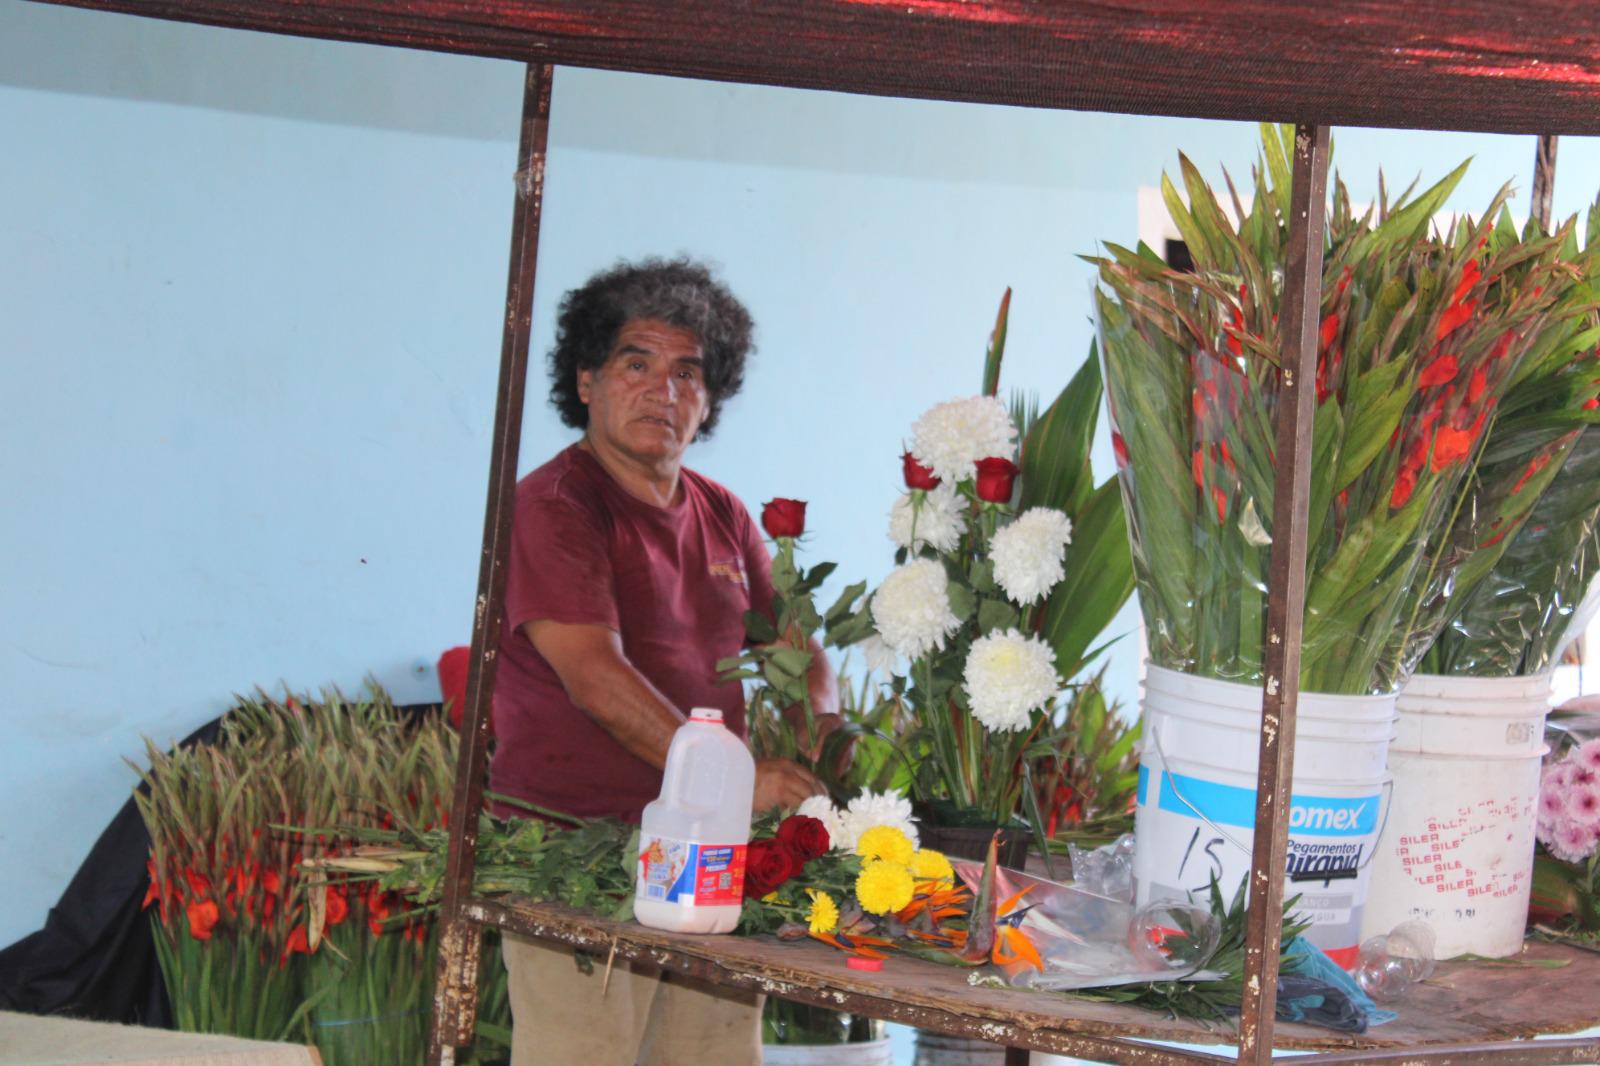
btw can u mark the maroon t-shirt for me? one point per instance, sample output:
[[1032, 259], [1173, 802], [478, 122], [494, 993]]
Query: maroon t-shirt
[[675, 582]]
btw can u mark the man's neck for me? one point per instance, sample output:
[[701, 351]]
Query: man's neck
[[655, 484]]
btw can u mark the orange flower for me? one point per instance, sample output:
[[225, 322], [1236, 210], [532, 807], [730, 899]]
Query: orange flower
[[299, 941], [1405, 482], [198, 885], [1330, 331], [203, 917]]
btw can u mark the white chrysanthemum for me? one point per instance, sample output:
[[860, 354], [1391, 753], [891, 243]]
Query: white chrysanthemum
[[822, 809], [952, 436], [876, 808], [1027, 553], [1008, 676], [912, 608], [879, 657], [937, 521]]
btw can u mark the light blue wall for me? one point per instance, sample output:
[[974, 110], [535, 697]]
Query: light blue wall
[[250, 293]]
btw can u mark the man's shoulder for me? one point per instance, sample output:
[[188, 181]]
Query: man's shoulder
[[563, 480], [713, 494]]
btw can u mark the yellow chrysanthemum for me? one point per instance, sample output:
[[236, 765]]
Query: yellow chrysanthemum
[[884, 887], [887, 843], [930, 865], [823, 916]]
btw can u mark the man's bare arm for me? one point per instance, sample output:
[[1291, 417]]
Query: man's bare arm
[[602, 682]]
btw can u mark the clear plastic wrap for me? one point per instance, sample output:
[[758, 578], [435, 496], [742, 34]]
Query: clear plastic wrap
[[1421, 337], [1538, 597]]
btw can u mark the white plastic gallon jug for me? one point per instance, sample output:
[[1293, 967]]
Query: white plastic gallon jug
[[690, 877]]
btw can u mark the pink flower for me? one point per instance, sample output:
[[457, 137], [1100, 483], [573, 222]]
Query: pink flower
[[1573, 842], [1587, 755], [1552, 806], [1583, 805]]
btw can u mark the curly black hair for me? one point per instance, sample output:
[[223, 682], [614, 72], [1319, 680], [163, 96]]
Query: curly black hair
[[681, 292]]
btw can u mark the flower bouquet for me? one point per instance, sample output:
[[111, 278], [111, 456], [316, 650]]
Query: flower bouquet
[[1566, 883], [253, 939], [1421, 338], [992, 603]]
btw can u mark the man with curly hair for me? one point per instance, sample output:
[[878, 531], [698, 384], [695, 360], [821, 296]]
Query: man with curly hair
[[628, 581]]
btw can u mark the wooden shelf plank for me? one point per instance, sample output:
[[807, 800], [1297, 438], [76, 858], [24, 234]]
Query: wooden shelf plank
[[1528, 67], [1465, 1005]]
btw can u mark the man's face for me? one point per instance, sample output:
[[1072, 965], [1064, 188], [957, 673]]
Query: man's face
[[648, 399]]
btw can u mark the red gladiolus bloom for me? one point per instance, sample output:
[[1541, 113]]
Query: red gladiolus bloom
[[338, 908], [1119, 448], [1198, 465], [1405, 482], [198, 885], [917, 476], [1469, 277], [271, 882], [203, 916], [1475, 386], [1449, 445], [1454, 316], [1438, 372], [377, 911], [299, 941], [1330, 331], [1221, 500], [996, 478], [783, 518]]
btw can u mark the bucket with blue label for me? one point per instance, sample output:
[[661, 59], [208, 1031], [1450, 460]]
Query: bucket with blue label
[[1197, 796]]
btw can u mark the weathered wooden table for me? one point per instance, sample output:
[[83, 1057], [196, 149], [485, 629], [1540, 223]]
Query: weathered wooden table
[[1462, 1008]]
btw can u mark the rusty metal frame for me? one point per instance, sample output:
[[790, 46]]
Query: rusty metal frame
[[456, 994]]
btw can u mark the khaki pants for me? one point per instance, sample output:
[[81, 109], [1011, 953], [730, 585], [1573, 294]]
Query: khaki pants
[[559, 1016]]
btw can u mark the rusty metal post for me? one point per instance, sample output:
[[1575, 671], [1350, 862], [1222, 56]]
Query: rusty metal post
[[455, 1002], [1544, 180], [1286, 589]]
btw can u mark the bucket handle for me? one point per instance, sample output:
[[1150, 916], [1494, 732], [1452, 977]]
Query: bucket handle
[[1172, 781]]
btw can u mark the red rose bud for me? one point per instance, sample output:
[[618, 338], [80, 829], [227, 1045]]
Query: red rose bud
[[767, 865], [783, 518], [995, 479], [805, 834], [917, 476]]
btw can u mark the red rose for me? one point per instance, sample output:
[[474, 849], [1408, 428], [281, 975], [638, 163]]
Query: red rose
[[917, 475], [995, 478], [767, 865], [805, 834], [783, 518]]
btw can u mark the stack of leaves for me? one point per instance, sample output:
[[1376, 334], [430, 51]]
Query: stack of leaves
[[1530, 605], [1422, 338], [274, 952]]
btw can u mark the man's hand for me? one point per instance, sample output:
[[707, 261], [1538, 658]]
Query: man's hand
[[782, 783]]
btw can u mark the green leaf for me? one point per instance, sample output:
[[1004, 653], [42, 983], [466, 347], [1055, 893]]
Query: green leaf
[[997, 347], [996, 614], [962, 601], [1098, 580], [1055, 456], [759, 628], [1378, 403], [792, 661], [843, 604]]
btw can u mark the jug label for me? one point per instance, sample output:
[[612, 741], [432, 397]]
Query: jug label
[[696, 875]]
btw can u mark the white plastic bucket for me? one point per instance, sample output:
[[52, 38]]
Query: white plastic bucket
[[1197, 795], [1458, 851]]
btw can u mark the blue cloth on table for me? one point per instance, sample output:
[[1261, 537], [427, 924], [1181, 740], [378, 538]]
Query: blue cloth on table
[[1319, 992]]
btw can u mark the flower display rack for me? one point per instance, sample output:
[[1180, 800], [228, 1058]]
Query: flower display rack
[[1443, 64]]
